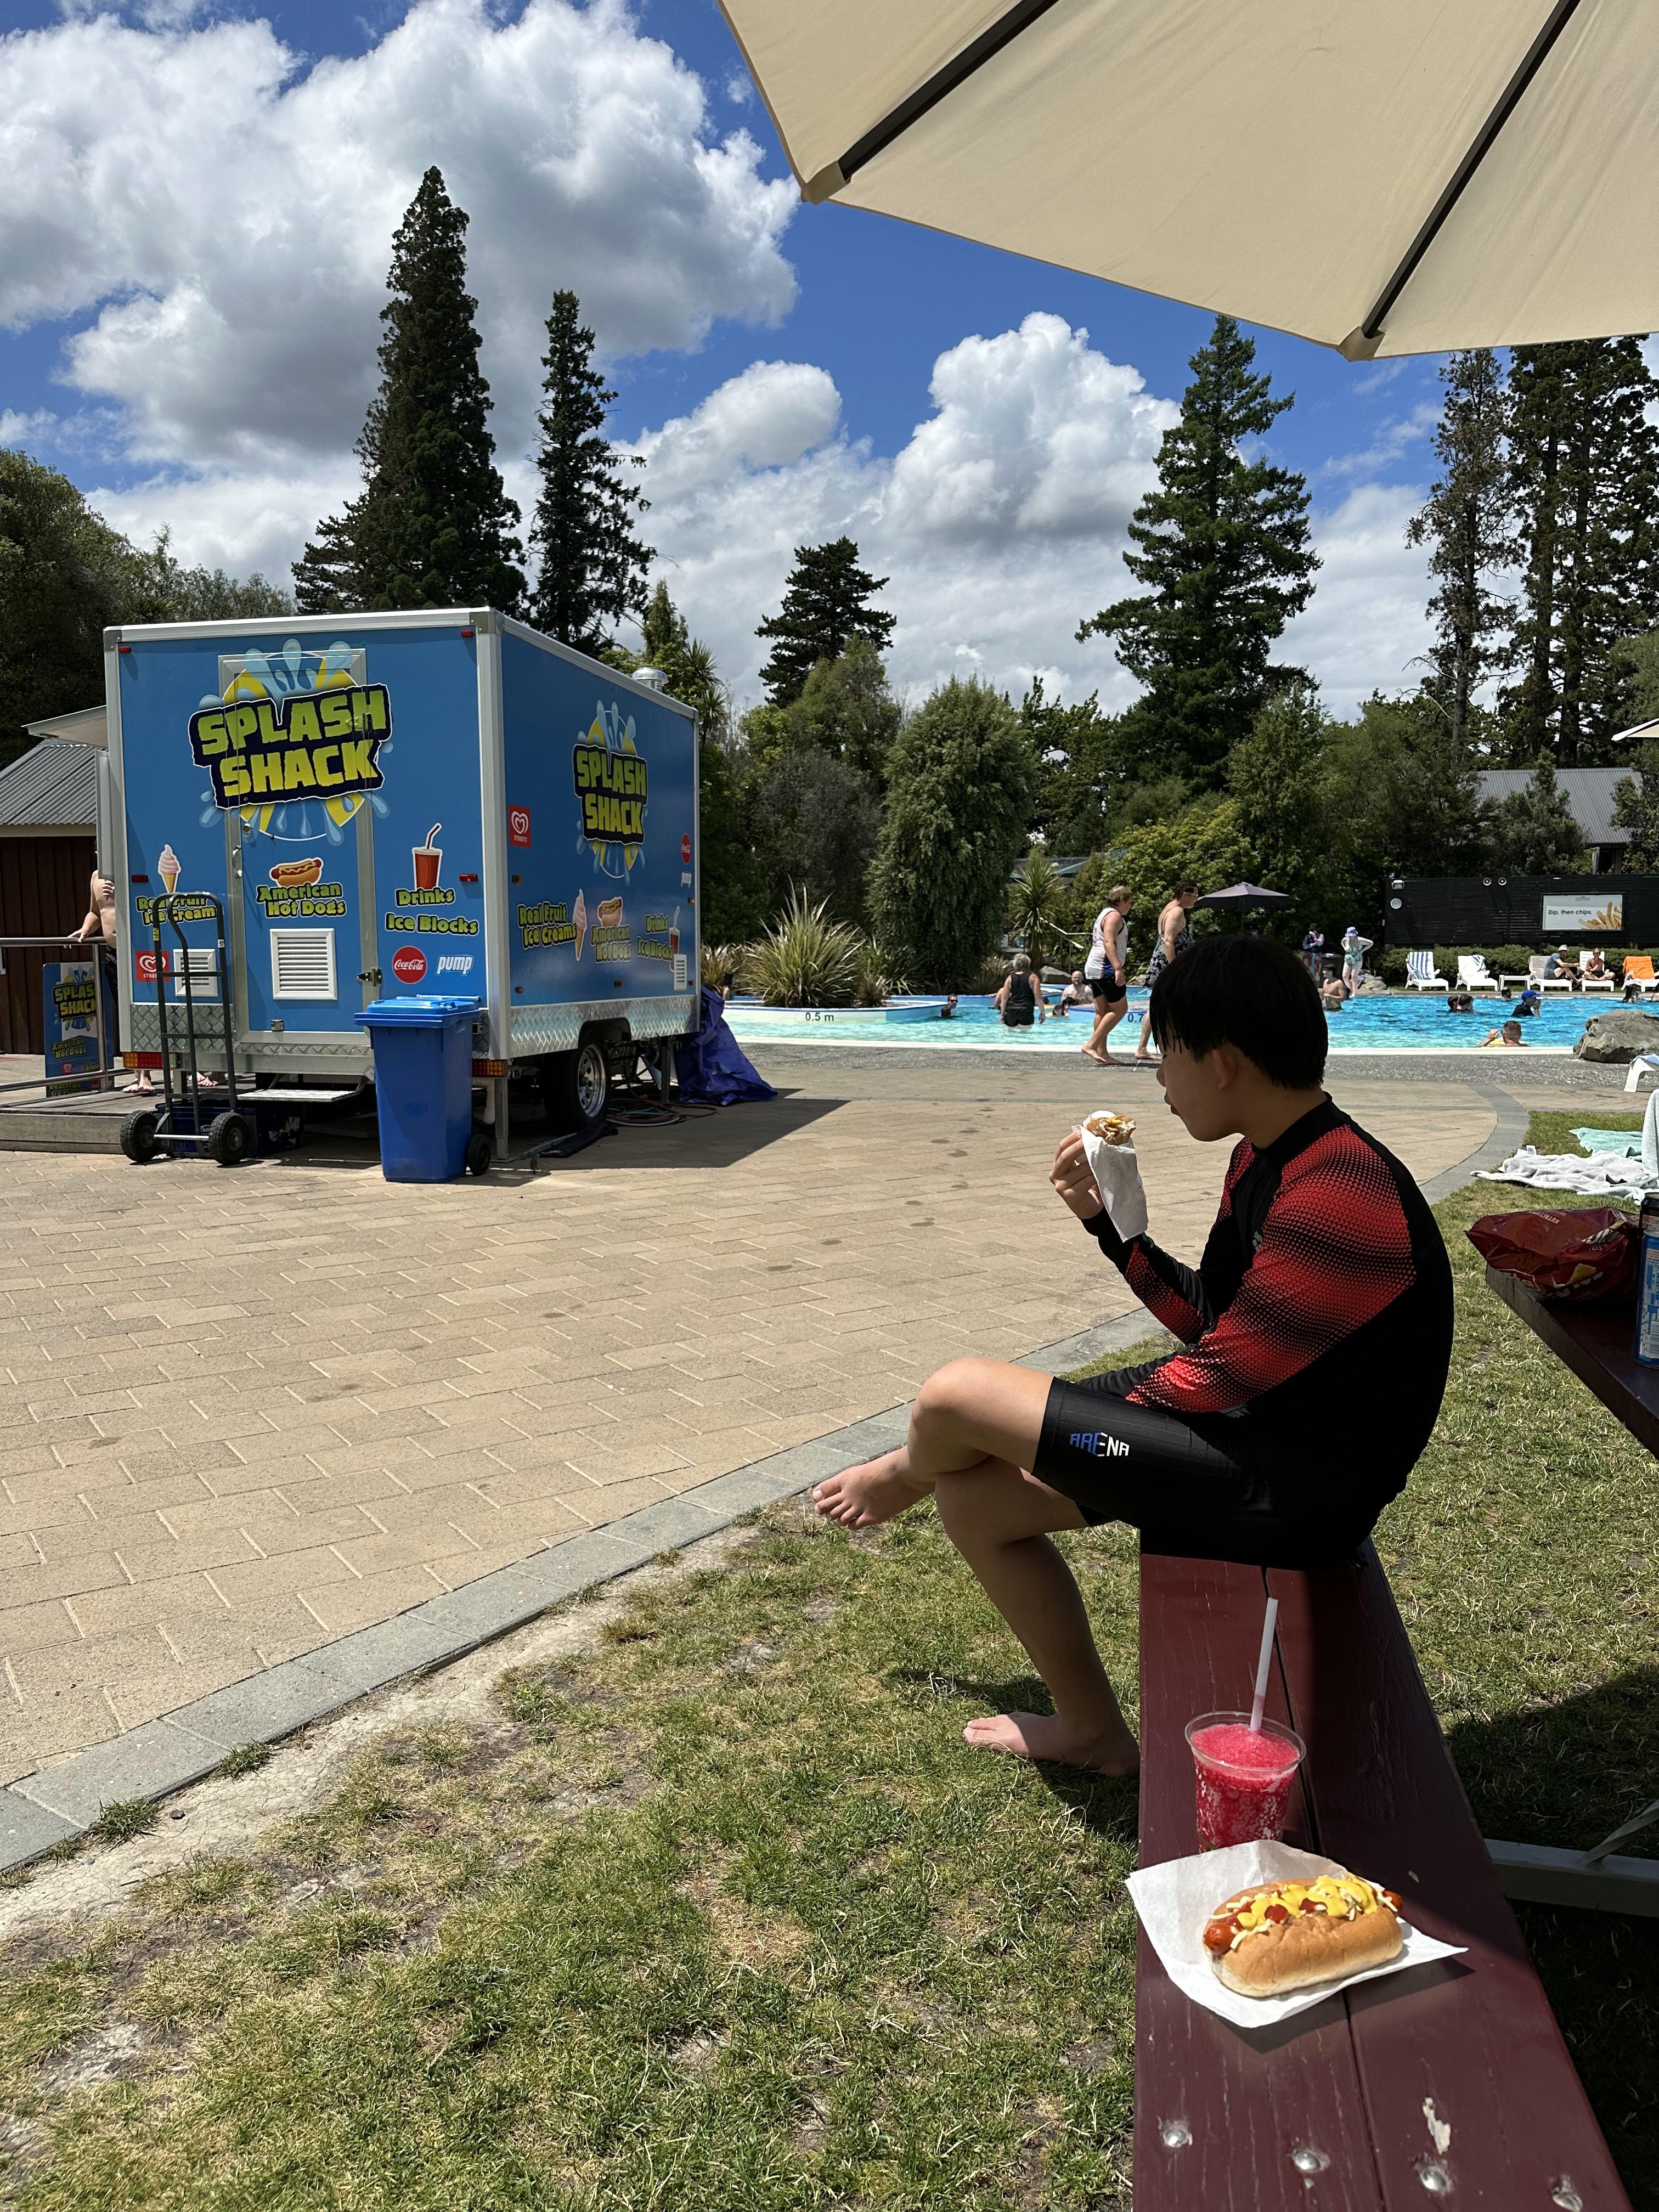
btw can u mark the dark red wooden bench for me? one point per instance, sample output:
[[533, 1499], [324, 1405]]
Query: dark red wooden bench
[[1449, 2084]]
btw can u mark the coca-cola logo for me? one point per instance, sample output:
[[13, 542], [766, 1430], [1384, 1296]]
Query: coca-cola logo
[[517, 826], [409, 964], [685, 851]]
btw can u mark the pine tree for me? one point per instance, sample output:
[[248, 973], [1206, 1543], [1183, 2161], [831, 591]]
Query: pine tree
[[1584, 479], [1533, 831], [593, 568], [825, 605], [1225, 554], [959, 789], [1468, 521], [433, 526]]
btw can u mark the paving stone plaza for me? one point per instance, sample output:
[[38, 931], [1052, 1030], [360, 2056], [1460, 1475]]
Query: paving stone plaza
[[246, 1415]]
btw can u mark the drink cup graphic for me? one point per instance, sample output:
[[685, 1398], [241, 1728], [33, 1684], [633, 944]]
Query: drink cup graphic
[[429, 858], [167, 867], [674, 934]]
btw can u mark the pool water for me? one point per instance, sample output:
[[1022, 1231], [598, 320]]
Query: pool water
[[1418, 1023]]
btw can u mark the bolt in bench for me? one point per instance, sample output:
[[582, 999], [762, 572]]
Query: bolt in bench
[[1449, 2083]]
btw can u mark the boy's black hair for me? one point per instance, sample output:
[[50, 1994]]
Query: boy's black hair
[[1250, 993]]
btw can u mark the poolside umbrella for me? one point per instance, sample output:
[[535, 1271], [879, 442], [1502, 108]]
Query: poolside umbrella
[[1385, 177], [1237, 896]]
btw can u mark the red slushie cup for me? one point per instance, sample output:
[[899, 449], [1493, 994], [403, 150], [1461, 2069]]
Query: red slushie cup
[[1244, 1777]]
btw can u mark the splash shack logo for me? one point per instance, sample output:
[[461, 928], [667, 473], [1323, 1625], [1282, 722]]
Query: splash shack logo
[[610, 782], [326, 742]]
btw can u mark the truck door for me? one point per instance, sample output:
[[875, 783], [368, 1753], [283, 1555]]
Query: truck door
[[306, 864]]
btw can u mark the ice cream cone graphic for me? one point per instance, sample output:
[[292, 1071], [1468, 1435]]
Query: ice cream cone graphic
[[579, 915], [166, 868]]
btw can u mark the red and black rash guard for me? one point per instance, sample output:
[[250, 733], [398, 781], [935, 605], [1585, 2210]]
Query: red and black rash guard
[[1318, 1323]]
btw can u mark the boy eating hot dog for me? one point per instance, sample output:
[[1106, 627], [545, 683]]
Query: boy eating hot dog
[[1316, 1334]]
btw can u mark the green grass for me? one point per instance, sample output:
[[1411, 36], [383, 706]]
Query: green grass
[[725, 1916], [1552, 1132]]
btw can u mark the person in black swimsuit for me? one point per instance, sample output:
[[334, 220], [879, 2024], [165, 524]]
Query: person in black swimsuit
[[1018, 1001], [1314, 1337]]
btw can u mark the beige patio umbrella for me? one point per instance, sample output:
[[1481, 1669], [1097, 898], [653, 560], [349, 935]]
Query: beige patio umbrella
[[1383, 176]]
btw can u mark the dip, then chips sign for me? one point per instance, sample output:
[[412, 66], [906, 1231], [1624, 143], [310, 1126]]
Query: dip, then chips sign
[[1569, 916]]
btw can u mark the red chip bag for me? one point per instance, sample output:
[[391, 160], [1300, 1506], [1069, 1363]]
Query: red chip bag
[[1577, 1252]]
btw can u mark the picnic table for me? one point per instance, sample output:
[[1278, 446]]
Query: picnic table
[[1597, 1343], [1448, 2082]]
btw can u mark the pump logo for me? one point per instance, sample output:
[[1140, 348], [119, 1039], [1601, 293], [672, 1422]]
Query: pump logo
[[611, 785], [326, 742]]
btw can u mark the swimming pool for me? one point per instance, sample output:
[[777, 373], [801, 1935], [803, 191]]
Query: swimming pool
[[1418, 1023]]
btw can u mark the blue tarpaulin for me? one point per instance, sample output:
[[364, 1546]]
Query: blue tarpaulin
[[711, 1066]]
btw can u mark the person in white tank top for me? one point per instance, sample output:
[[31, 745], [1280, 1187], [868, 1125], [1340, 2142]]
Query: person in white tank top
[[1107, 970]]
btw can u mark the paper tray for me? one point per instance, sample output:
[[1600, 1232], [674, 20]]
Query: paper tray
[[1176, 1900]]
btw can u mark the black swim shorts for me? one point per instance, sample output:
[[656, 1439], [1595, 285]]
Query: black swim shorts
[[1013, 1019], [1108, 991], [1198, 1489]]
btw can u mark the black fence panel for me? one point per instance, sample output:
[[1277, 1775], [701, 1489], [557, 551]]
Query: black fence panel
[[1541, 910]]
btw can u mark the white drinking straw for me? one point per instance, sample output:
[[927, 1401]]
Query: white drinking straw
[[1262, 1665]]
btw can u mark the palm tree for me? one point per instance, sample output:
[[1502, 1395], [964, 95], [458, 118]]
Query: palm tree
[[1040, 907]]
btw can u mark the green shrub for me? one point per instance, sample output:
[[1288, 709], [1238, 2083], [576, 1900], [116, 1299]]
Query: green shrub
[[806, 959]]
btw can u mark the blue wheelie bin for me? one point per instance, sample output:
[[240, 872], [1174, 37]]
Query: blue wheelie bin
[[423, 1084]]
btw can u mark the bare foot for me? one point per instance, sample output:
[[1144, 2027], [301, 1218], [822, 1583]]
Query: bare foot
[[1042, 1736], [863, 1496], [1101, 1060]]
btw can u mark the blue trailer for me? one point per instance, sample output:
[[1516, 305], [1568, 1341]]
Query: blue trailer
[[433, 801]]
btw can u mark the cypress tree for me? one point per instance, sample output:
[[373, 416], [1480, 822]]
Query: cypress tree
[[825, 606], [1584, 479], [593, 567], [433, 526], [1467, 522], [1224, 552]]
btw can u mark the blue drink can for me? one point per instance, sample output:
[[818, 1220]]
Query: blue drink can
[[1647, 1288]]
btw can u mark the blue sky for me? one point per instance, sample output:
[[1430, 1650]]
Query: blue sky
[[721, 363]]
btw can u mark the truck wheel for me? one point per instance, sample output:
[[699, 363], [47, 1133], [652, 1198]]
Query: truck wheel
[[138, 1136], [579, 1085], [480, 1153], [229, 1138]]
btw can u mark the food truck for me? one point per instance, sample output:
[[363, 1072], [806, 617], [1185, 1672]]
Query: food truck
[[429, 802]]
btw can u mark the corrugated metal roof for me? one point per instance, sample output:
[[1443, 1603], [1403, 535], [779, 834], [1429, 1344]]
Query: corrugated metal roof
[[52, 784], [1587, 791]]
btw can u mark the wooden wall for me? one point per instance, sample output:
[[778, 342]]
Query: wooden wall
[[44, 884]]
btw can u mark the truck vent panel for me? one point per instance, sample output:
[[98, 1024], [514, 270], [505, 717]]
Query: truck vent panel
[[302, 964]]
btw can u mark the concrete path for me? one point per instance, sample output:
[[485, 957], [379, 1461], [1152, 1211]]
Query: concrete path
[[243, 1415]]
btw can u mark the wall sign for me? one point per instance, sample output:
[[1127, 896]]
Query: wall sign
[[1573, 915]]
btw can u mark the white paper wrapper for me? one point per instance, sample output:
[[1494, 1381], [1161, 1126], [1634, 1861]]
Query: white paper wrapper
[[1116, 1172], [1174, 1900]]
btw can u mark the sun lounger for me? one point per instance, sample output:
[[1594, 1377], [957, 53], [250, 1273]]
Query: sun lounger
[[1473, 973], [1421, 974], [1639, 969], [1544, 982], [1595, 982]]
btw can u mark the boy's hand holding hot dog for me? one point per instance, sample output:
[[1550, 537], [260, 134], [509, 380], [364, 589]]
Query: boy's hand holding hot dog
[[1099, 1158]]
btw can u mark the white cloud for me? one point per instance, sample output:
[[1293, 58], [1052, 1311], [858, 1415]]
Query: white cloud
[[999, 522], [223, 211], [1368, 619]]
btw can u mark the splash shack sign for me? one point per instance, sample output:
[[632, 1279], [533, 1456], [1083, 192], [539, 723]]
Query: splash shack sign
[[328, 741]]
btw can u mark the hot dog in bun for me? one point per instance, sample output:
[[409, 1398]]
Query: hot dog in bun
[[1280, 1935], [1112, 1129]]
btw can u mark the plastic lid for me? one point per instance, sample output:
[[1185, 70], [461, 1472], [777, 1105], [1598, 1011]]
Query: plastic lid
[[419, 1009]]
